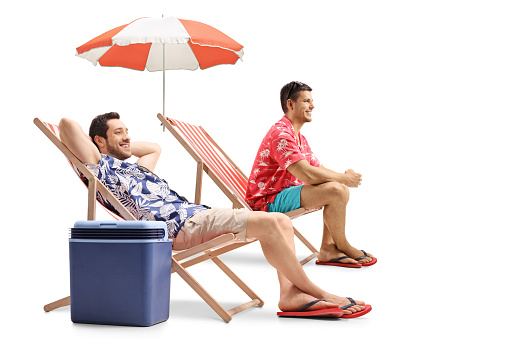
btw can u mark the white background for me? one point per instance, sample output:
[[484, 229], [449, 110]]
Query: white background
[[412, 94]]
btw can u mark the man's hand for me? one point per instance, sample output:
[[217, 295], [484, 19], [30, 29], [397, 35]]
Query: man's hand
[[352, 179]]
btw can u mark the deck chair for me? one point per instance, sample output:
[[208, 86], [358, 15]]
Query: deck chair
[[181, 260], [211, 159]]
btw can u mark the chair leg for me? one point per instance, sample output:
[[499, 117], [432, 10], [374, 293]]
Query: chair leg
[[308, 258], [201, 291], [238, 281], [226, 315], [57, 304]]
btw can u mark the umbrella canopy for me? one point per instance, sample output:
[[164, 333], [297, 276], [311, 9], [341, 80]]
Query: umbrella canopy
[[139, 45], [165, 43]]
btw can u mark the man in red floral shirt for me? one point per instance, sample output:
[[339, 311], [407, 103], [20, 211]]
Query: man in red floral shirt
[[286, 175]]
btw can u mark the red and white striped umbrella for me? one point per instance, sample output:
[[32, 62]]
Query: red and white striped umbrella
[[163, 43]]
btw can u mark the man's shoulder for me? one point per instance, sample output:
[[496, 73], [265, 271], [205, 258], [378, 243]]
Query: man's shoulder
[[279, 129]]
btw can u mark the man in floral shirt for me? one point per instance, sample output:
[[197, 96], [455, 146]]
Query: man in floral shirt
[[149, 198], [286, 175]]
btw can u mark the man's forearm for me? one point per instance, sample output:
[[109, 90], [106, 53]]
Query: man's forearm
[[147, 152], [319, 175], [142, 148], [349, 178], [333, 176]]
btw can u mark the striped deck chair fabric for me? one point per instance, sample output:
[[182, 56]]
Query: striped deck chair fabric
[[100, 199], [181, 260], [212, 160], [215, 159]]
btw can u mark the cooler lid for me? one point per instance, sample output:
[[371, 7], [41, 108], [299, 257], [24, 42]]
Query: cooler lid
[[119, 230]]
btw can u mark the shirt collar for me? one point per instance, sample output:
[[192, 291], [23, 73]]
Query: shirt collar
[[288, 124]]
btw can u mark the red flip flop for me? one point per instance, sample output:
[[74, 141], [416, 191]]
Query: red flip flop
[[336, 262], [372, 262], [367, 309], [324, 312]]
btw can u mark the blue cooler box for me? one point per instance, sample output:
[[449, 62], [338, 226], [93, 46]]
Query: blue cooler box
[[120, 272]]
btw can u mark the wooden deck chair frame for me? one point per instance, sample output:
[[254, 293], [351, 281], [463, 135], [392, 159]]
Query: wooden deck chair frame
[[235, 192], [180, 260]]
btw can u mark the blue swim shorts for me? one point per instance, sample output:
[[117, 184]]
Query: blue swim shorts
[[287, 200]]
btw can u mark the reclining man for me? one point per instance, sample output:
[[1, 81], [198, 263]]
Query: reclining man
[[149, 198], [286, 175]]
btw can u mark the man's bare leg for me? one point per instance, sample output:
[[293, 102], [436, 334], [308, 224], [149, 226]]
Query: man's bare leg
[[275, 233], [334, 198]]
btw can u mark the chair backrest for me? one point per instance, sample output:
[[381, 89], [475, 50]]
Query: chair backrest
[[117, 210], [202, 147]]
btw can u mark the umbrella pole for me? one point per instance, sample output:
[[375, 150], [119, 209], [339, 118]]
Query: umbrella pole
[[164, 83]]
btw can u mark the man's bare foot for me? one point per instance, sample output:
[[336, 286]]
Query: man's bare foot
[[344, 302], [354, 253], [331, 252], [295, 299]]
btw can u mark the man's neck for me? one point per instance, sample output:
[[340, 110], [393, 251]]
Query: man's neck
[[296, 125]]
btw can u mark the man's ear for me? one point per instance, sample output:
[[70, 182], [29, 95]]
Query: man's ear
[[100, 141], [289, 104]]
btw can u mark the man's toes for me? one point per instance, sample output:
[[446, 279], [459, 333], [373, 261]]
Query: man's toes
[[354, 309], [359, 303], [366, 260]]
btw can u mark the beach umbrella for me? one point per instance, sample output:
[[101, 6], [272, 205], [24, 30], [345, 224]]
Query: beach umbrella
[[159, 44]]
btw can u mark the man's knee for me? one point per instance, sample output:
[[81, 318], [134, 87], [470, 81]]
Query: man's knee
[[271, 224], [284, 222], [337, 191]]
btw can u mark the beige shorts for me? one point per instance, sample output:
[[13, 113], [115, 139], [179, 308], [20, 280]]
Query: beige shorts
[[209, 224]]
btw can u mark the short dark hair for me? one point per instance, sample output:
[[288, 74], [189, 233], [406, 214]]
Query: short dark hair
[[99, 126], [291, 91]]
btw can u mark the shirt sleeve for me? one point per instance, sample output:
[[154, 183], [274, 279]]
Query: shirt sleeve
[[308, 153], [285, 150]]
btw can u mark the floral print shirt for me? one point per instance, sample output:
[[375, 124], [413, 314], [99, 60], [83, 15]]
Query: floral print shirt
[[279, 149], [143, 193]]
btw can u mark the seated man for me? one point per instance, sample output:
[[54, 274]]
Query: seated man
[[148, 197], [286, 175]]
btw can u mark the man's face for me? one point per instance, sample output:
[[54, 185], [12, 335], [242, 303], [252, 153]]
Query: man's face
[[303, 107], [118, 142]]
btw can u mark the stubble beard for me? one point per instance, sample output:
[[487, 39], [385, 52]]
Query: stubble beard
[[117, 153]]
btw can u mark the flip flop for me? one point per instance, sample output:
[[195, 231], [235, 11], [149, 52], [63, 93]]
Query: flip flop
[[367, 309], [336, 262], [372, 262], [324, 312]]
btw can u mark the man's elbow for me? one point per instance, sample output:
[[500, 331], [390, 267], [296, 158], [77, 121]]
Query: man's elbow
[[157, 149], [64, 123], [65, 127], [302, 172]]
